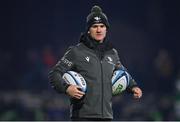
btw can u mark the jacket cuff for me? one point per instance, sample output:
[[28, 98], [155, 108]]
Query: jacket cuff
[[65, 87], [131, 86], [129, 89]]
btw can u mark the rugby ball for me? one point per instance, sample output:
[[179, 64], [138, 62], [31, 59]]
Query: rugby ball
[[120, 81], [74, 78]]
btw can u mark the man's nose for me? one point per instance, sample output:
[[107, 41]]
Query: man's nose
[[98, 29]]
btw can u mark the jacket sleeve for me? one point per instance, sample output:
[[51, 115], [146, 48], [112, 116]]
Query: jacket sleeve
[[119, 65], [63, 65]]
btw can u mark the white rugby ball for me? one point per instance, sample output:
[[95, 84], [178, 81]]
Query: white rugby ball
[[120, 81], [74, 78]]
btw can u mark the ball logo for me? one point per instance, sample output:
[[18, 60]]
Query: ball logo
[[82, 80], [118, 89]]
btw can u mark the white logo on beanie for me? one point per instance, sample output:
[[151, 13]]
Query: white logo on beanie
[[97, 18]]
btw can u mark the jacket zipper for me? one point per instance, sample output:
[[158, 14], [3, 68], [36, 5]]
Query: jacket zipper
[[102, 89]]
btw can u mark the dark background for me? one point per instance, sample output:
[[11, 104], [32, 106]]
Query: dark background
[[35, 34]]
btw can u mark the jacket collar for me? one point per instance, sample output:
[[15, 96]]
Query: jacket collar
[[93, 44]]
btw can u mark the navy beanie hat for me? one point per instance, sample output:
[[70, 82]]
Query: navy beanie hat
[[96, 16]]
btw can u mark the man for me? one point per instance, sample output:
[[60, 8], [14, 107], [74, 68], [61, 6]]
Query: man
[[96, 103]]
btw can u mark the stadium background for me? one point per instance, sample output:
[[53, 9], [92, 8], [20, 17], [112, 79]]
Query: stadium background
[[35, 34]]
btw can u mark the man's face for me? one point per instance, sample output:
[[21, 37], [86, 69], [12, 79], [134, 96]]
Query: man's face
[[98, 32]]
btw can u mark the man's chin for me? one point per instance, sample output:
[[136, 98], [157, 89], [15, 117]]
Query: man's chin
[[99, 39]]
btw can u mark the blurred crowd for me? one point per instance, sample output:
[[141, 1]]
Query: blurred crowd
[[26, 93]]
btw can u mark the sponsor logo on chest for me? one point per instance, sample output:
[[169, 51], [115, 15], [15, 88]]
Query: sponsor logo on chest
[[87, 58]]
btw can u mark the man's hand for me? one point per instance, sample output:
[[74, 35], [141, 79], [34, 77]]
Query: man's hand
[[137, 92], [73, 91]]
